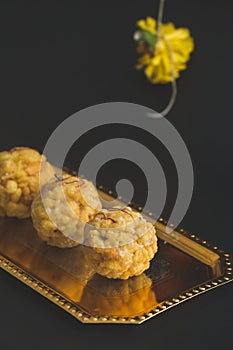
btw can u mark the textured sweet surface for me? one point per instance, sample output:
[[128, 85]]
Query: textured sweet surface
[[20, 180], [122, 241], [70, 202]]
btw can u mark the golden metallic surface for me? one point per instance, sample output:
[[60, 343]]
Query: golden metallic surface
[[183, 268]]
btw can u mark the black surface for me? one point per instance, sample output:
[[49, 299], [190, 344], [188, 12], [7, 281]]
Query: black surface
[[58, 57]]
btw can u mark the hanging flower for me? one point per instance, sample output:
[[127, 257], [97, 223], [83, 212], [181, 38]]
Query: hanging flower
[[162, 55]]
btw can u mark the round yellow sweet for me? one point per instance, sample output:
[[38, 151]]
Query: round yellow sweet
[[67, 204], [20, 180], [122, 242]]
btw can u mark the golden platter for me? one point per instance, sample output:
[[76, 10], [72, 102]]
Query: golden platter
[[184, 267]]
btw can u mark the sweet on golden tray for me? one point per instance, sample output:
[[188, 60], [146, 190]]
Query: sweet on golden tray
[[100, 280], [61, 210], [20, 180], [122, 242]]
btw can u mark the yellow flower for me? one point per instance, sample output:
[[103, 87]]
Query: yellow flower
[[169, 53]]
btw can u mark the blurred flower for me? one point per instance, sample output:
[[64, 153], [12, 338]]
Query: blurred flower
[[164, 54]]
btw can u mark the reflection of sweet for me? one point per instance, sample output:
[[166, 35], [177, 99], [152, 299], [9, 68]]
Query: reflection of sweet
[[19, 180], [66, 270], [70, 202], [119, 298], [18, 241], [122, 241]]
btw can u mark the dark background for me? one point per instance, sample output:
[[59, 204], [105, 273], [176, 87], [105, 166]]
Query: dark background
[[58, 57]]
